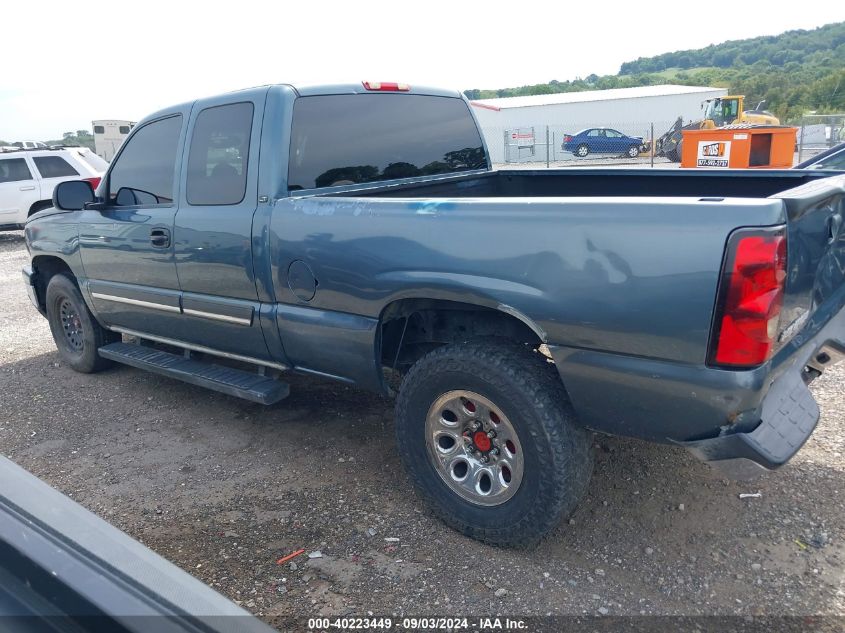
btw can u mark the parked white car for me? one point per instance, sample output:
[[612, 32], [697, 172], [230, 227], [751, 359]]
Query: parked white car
[[28, 177], [30, 145]]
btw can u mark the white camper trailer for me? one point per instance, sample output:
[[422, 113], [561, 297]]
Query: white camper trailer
[[108, 135]]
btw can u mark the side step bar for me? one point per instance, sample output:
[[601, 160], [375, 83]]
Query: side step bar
[[233, 382]]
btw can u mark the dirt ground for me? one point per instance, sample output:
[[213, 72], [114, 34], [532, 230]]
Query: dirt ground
[[224, 488]]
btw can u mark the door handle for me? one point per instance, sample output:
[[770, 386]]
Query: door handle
[[30, 188], [160, 238]]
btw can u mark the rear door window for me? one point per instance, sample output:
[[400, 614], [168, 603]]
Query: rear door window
[[143, 173], [54, 167], [217, 164], [348, 139], [13, 170]]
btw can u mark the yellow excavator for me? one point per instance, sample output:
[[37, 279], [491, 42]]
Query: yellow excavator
[[718, 112]]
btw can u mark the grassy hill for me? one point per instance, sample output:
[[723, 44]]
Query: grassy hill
[[794, 72]]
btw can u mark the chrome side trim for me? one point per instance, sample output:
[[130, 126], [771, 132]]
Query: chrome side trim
[[217, 317], [136, 302], [198, 348], [322, 374]]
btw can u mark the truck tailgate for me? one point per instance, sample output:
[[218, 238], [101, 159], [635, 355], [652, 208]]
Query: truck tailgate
[[811, 336], [816, 255]]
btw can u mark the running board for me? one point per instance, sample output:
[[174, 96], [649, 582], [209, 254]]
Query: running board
[[233, 382]]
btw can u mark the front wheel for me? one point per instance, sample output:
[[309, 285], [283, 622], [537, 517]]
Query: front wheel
[[487, 435], [76, 332], [633, 151]]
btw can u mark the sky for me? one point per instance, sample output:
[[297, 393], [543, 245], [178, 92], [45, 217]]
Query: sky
[[91, 59]]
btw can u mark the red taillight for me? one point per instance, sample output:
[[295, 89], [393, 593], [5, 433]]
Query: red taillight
[[386, 86], [567, 139], [750, 299], [94, 182]]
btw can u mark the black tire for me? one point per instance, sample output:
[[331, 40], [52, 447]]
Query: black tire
[[633, 151], [582, 150], [526, 387], [76, 332]]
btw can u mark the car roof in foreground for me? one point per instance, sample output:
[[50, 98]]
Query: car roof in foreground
[[97, 569], [836, 149]]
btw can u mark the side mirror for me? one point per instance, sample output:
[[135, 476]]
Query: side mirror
[[127, 197], [73, 195]]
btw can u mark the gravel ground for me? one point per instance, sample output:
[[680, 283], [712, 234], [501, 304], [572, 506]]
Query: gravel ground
[[224, 488]]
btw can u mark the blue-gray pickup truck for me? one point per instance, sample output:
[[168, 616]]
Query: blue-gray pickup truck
[[358, 233]]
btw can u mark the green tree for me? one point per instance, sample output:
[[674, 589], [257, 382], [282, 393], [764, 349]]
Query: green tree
[[795, 71]]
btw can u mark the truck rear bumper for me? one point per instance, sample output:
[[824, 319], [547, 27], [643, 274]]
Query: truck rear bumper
[[743, 422], [789, 416]]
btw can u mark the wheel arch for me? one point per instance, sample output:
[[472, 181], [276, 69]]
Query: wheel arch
[[411, 327], [45, 267]]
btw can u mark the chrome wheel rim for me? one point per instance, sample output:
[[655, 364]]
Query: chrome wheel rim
[[474, 448], [582, 151], [633, 152], [71, 326]]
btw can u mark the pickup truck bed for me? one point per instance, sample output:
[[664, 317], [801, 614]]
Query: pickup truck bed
[[574, 182], [360, 235], [585, 285]]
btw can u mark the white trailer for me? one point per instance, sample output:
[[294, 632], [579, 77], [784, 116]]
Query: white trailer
[[108, 136]]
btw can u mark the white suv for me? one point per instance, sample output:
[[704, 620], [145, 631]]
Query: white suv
[[28, 177]]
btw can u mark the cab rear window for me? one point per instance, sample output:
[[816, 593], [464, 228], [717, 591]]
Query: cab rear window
[[349, 139]]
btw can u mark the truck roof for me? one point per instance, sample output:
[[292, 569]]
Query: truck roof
[[311, 90]]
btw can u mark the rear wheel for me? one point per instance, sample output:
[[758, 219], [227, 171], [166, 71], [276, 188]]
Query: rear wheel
[[582, 150], [487, 435], [76, 332]]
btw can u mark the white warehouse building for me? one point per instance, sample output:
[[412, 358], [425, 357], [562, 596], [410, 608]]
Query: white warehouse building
[[521, 122]]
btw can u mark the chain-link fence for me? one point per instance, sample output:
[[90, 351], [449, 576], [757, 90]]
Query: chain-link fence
[[581, 144], [652, 144], [819, 132]]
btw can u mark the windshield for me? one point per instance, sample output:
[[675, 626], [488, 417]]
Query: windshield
[[722, 111]]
